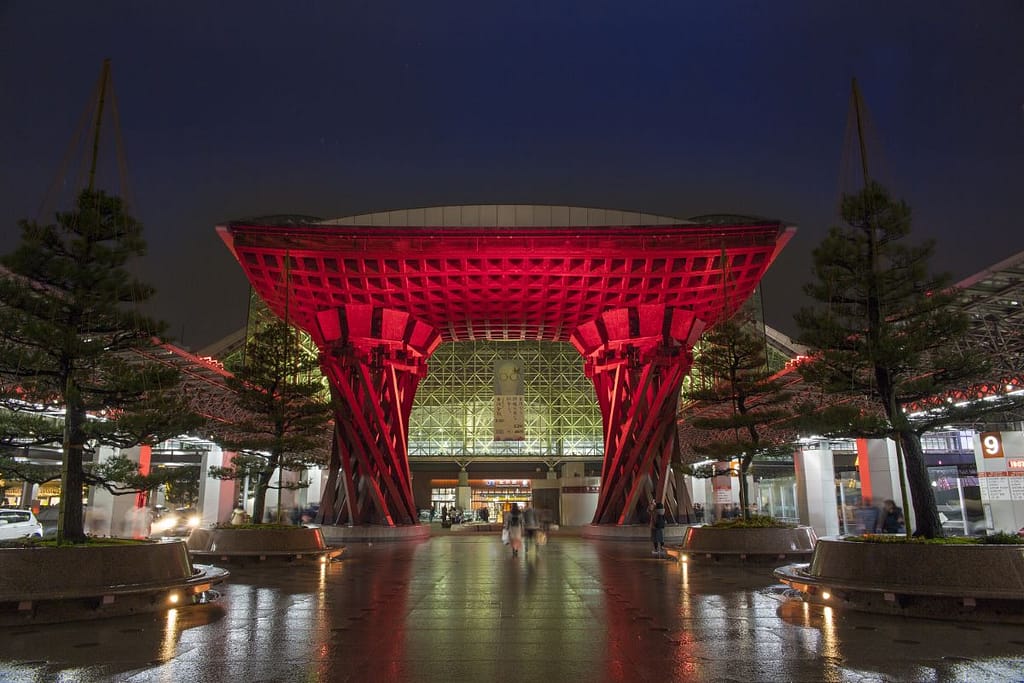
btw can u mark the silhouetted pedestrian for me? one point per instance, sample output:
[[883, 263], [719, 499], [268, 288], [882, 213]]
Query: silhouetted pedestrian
[[658, 529], [892, 518]]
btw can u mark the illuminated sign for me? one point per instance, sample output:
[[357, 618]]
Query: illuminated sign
[[525, 483], [1015, 463], [991, 444]]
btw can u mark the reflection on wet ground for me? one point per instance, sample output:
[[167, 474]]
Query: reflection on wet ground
[[461, 608]]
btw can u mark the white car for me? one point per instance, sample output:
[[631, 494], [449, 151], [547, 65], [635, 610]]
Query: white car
[[18, 524]]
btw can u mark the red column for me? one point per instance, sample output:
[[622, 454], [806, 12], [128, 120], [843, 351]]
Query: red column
[[374, 362], [145, 458], [637, 358]]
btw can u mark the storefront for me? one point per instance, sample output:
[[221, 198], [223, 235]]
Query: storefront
[[493, 495]]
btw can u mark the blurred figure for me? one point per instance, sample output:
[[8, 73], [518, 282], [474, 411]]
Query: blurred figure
[[866, 517], [514, 526], [530, 526], [138, 520], [96, 522]]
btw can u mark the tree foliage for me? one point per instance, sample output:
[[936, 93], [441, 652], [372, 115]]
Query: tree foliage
[[282, 390], [883, 335], [69, 323], [744, 407]]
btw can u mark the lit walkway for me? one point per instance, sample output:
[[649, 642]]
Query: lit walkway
[[459, 608]]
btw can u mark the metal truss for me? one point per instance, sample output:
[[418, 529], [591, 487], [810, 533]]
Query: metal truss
[[994, 300]]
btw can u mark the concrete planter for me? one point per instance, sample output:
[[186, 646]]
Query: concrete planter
[[377, 533], [289, 543], [719, 544], [48, 584], [631, 532], [977, 582]]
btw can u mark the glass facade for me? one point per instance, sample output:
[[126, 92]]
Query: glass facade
[[453, 414]]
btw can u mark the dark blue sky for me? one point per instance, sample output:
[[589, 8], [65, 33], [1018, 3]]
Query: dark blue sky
[[243, 109]]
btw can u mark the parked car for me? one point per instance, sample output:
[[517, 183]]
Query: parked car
[[16, 523]]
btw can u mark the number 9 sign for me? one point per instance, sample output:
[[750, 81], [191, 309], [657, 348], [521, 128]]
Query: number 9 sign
[[992, 444]]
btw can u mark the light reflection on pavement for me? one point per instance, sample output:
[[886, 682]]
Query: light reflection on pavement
[[460, 608]]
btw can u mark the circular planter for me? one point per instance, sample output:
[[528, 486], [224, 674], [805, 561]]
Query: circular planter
[[47, 584], [288, 543], [956, 581], [631, 532], [767, 544]]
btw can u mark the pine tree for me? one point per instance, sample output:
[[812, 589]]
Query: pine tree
[[745, 405], [281, 388], [885, 333], [68, 327]]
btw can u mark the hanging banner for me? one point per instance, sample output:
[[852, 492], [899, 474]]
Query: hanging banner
[[509, 423]]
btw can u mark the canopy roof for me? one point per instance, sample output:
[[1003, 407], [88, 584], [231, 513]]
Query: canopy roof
[[502, 272]]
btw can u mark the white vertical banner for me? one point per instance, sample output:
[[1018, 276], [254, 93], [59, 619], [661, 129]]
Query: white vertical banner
[[509, 423]]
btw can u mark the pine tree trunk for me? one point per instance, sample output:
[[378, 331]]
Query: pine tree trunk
[[71, 523], [259, 500], [926, 514]]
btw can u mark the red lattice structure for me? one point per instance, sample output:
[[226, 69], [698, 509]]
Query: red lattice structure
[[378, 294]]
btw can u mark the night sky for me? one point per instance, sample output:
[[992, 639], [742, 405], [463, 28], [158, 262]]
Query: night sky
[[234, 110]]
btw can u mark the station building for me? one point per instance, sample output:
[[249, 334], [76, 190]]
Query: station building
[[458, 458]]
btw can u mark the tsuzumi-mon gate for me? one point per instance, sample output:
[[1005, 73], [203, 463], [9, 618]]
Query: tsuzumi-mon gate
[[379, 293]]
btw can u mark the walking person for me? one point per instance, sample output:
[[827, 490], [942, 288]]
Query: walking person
[[530, 527], [658, 529], [514, 526]]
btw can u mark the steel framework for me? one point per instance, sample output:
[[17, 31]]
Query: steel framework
[[379, 295]]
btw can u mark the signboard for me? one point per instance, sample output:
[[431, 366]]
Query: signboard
[[509, 420], [524, 483], [1016, 480], [994, 485], [581, 489], [722, 484], [1015, 463], [991, 444]]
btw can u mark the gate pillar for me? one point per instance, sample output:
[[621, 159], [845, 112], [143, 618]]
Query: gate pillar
[[374, 359], [637, 358]]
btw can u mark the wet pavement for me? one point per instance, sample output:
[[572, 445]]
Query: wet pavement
[[460, 608]]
